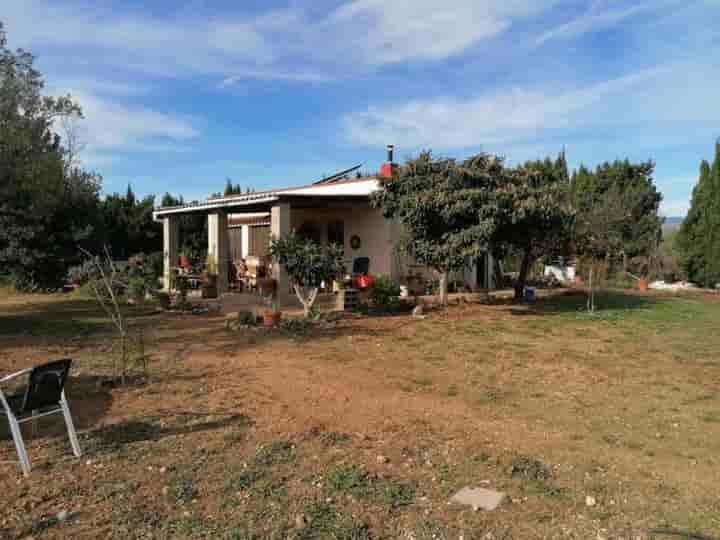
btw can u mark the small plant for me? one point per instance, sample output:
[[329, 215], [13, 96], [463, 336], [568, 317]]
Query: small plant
[[247, 318], [334, 438], [297, 327], [384, 292], [183, 490], [530, 468]]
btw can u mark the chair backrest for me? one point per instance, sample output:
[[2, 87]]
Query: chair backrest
[[46, 385], [361, 265]]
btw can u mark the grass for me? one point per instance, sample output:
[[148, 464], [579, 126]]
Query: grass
[[264, 436]]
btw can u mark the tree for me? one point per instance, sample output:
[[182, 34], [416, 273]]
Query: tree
[[617, 212], [128, 225], [308, 264], [232, 189], [48, 206], [534, 216], [447, 209], [699, 236], [193, 228]]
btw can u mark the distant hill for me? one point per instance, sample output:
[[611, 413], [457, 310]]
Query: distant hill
[[672, 223]]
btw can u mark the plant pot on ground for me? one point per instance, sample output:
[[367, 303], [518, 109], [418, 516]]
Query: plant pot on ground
[[271, 317], [643, 284]]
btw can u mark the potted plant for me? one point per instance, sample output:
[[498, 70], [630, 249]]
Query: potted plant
[[272, 315], [184, 259]]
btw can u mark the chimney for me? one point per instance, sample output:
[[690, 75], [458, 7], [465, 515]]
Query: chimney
[[388, 168]]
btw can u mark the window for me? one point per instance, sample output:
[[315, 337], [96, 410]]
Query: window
[[336, 232]]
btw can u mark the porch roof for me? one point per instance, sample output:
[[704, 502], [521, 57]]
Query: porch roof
[[354, 188]]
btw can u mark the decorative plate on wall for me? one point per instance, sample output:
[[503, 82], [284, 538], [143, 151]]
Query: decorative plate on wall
[[355, 242]]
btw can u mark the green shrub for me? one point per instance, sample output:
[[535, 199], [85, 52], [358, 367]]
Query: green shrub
[[384, 292], [296, 327], [137, 290], [247, 318]]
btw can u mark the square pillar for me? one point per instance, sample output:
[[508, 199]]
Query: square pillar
[[219, 248], [280, 226], [170, 249]]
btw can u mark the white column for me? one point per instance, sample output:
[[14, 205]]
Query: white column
[[170, 249], [245, 240], [280, 226], [219, 248]]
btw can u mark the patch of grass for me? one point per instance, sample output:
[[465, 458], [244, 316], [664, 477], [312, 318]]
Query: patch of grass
[[323, 521], [452, 391], [356, 481], [274, 453], [135, 521], [423, 382], [530, 468], [258, 475], [711, 417], [183, 489], [334, 438], [544, 488]]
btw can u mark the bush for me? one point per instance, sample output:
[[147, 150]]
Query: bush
[[83, 273], [137, 290], [296, 327], [384, 292]]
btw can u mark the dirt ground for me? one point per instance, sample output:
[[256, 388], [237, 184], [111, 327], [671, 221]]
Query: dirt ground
[[596, 426]]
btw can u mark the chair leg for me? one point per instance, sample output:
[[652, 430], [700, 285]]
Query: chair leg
[[70, 427], [19, 445]]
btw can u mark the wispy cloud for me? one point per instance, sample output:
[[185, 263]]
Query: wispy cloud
[[598, 17], [389, 32], [501, 116]]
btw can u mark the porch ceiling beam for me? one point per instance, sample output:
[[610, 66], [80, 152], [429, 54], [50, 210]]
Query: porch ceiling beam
[[215, 205]]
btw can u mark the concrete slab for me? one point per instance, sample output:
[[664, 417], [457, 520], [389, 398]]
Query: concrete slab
[[478, 498]]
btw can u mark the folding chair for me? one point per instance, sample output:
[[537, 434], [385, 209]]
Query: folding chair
[[44, 395]]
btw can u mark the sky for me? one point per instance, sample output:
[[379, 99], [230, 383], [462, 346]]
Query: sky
[[180, 95]]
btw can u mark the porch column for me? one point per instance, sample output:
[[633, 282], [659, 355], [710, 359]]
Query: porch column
[[170, 249], [218, 248], [280, 226]]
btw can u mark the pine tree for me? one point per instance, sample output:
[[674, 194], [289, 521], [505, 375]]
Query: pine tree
[[699, 236]]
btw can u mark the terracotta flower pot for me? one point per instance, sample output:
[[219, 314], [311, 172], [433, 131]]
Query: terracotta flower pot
[[642, 284], [184, 261], [271, 318]]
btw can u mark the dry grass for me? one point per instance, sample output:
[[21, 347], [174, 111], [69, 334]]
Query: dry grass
[[365, 428]]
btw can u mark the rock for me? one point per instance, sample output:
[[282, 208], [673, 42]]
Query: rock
[[479, 498], [382, 459], [64, 515], [418, 312], [590, 501]]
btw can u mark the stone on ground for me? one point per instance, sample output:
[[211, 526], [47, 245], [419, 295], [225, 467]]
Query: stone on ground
[[478, 498]]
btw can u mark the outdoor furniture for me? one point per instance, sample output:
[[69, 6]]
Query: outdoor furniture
[[43, 395]]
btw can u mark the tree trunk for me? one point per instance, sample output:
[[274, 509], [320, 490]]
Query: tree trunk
[[443, 291], [522, 276], [591, 296], [306, 299]]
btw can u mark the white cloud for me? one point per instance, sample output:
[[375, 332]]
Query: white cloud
[[654, 103], [388, 32], [597, 17], [495, 117]]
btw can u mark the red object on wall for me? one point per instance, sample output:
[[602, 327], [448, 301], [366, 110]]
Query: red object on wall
[[363, 281]]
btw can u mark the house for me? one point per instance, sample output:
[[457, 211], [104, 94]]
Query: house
[[336, 209]]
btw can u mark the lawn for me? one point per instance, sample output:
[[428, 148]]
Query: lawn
[[365, 428]]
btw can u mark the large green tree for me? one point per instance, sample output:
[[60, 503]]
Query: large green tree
[[699, 237], [47, 206], [128, 226], [447, 209], [617, 208], [534, 214]]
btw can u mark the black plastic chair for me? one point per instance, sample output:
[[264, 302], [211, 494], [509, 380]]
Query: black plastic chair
[[361, 265], [43, 395]]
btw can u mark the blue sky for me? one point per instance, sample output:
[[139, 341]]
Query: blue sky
[[180, 95]]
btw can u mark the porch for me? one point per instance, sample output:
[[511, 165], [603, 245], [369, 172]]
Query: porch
[[239, 229]]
